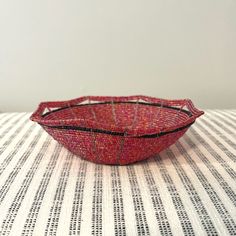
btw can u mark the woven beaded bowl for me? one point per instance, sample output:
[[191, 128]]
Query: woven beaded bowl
[[116, 130]]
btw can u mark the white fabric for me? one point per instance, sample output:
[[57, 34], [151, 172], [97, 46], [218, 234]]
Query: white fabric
[[188, 189]]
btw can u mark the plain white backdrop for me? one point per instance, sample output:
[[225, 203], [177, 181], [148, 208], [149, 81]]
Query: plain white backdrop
[[56, 50]]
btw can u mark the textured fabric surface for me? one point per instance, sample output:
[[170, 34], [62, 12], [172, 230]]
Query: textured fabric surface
[[188, 189]]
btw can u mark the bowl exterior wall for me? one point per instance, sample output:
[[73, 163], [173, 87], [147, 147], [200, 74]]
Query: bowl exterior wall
[[112, 149]]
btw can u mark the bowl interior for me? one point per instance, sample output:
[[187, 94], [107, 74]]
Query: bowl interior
[[123, 114]]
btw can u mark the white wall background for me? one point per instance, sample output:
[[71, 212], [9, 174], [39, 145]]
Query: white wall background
[[56, 50]]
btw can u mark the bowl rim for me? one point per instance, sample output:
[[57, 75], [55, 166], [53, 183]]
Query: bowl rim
[[91, 125]]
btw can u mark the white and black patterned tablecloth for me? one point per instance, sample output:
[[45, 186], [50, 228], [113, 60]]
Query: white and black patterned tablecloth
[[189, 189]]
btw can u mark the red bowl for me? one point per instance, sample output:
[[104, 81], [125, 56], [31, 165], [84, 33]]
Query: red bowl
[[116, 130]]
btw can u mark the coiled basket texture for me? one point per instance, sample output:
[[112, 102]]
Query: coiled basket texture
[[116, 130]]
